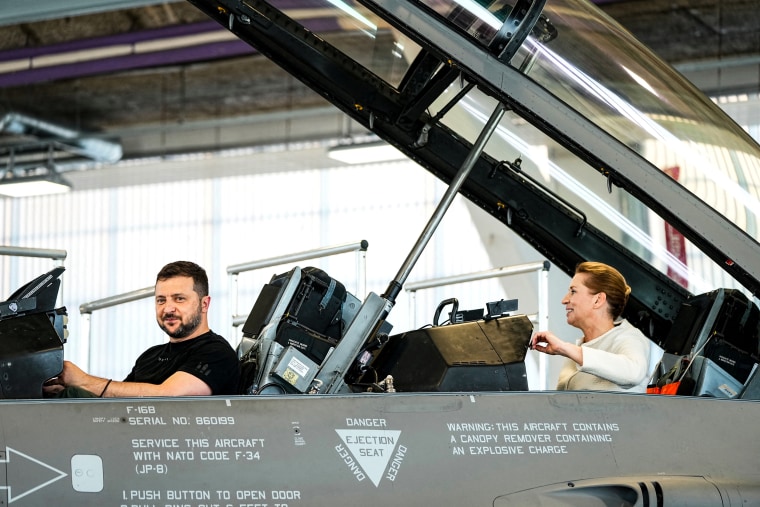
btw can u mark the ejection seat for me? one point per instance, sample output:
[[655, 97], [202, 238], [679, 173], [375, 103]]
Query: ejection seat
[[32, 334]]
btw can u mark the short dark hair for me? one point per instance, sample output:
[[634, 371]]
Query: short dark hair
[[186, 268]]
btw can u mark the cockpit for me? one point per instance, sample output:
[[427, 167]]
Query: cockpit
[[301, 317]]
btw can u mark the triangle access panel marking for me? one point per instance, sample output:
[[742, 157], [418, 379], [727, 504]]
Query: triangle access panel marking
[[27, 475], [372, 449]]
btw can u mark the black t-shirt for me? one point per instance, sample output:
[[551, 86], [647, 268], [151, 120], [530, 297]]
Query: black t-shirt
[[209, 357]]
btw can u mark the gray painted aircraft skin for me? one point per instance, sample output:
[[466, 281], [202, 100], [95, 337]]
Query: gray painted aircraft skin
[[549, 449], [450, 449]]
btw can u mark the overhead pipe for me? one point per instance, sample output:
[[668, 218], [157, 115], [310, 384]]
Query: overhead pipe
[[96, 149]]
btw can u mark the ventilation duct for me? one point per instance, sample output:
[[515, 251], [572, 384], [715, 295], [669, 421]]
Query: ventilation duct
[[27, 144]]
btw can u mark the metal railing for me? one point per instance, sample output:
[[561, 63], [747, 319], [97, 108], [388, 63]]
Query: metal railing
[[86, 309], [45, 253], [540, 319], [361, 270]]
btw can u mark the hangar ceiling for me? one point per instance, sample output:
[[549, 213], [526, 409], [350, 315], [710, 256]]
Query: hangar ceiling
[[63, 65]]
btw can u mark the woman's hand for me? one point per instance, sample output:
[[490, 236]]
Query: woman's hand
[[548, 343]]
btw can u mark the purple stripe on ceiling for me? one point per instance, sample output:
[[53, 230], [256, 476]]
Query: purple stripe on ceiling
[[161, 33], [211, 51], [145, 35], [111, 40]]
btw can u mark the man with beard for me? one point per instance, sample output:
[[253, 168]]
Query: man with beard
[[194, 362]]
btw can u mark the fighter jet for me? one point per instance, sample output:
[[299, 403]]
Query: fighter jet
[[558, 123]]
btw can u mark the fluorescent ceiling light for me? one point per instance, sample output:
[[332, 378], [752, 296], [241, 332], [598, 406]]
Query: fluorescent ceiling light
[[35, 185], [367, 153]]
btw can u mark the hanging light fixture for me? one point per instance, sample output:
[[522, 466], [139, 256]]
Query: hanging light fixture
[[28, 186], [31, 160], [44, 180]]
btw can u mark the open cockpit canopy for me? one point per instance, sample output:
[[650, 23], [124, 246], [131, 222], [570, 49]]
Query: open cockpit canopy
[[604, 153]]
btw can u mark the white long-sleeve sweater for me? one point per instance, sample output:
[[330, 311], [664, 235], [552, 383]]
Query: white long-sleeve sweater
[[618, 360]]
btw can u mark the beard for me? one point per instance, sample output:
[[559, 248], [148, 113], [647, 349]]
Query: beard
[[185, 328]]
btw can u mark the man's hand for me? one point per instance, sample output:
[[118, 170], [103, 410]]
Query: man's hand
[[52, 387], [179, 384]]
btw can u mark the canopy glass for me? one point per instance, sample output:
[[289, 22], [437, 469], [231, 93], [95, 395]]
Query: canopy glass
[[593, 65]]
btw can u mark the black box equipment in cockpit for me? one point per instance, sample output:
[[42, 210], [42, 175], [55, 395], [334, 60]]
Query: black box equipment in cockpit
[[312, 319], [484, 355], [31, 352], [722, 325], [32, 334]]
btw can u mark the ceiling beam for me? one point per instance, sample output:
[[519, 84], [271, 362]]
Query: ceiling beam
[[15, 13]]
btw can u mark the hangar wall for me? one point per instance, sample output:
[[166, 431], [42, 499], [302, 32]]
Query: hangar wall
[[118, 238]]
